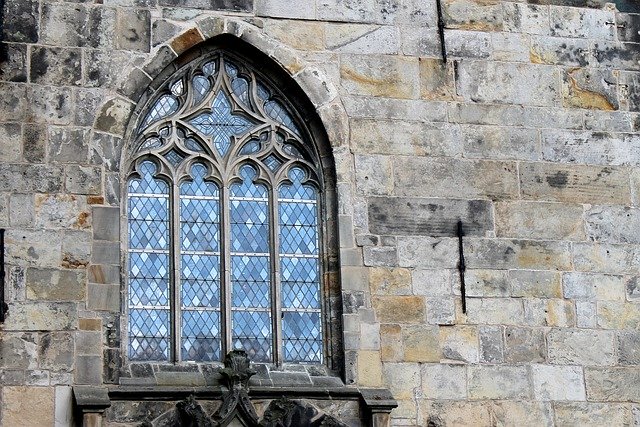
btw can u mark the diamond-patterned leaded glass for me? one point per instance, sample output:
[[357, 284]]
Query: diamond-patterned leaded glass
[[221, 174], [299, 270], [148, 207], [200, 267]]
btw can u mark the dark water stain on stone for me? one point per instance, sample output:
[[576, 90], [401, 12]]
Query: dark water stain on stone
[[558, 179]]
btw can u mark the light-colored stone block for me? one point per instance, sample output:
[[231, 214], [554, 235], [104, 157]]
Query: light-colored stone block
[[538, 220], [581, 347], [498, 382], [558, 382], [441, 381]]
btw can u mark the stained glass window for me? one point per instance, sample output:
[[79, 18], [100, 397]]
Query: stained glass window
[[224, 225]]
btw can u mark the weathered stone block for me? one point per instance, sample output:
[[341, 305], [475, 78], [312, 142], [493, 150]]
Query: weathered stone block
[[581, 347], [440, 311], [21, 178], [113, 116], [628, 347], [558, 382], [391, 343], [430, 217], [14, 68], [487, 283], [68, 145], [537, 284], [10, 142], [103, 297], [613, 224], [482, 114], [431, 282], [133, 30], [76, 249], [519, 83], [369, 368], [375, 136], [606, 258], [34, 141], [106, 223], [390, 281], [592, 89], [392, 76], [609, 121], [454, 412], [363, 39], [502, 143], [549, 312], [524, 345], [33, 406], [397, 109], [420, 343], [618, 315], [590, 414], [494, 311], [357, 11], [510, 47], [41, 316], [437, 81], [88, 370], [579, 184], [560, 51], [421, 42], [21, 210], [105, 68], [427, 252], [498, 382], [49, 104], [473, 15], [56, 351], [585, 314], [83, 179], [456, 178], [13, 104], [491, 344], [468, 44], [612, 384], [374, 174], [518, 254], [598, 148], [401, 378], [56, 66], [581, 23], [444, 381], [21, 21], [18, 351], [61, 211], [37, 248], [459, 343], [56, 285], [380, 256], [526, 18], [399, 309], [594, 286], [536, 220]]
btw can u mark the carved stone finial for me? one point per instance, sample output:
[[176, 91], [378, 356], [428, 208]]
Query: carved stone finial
[[237, 370]]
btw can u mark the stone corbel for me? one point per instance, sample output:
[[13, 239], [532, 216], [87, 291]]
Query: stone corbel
[[379, 403], [91, 402]]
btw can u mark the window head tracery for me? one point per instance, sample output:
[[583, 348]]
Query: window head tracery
[[223, 208]]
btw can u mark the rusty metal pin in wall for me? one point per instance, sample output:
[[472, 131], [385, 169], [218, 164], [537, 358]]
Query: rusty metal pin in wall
[[461, 266]]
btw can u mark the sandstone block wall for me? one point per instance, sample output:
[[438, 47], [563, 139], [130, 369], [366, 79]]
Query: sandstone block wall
[[529, 134]]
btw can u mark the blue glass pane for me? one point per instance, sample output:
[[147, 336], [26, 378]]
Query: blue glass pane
[[277, 112], [200, 293], [163, 107], [201, 86], [272, 162], [298, 239], [230, 68], [147, 184], [252, 146], [252, 332], [209, 68], [148, 292], [174, 157], [297, 190], [240, 87], [200, 335], [199, 187], [300, 295], [247, 188], [197, 266], [298, 213], [221, 124], [295, 269], [193, 145], [148, 332], [146, 265], [302, 336], [251, 281]]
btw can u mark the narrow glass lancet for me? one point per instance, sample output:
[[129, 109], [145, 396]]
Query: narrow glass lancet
[[299, 270], [250, 267], [200, 268], [148, 219]]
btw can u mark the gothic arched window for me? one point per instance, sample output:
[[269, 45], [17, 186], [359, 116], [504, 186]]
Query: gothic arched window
[[224, 221]]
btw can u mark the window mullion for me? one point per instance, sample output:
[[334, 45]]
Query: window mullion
[[225, 268], [276, 303], [175, 303]]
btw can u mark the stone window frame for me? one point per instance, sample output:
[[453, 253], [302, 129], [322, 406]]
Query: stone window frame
[[333, 363]]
